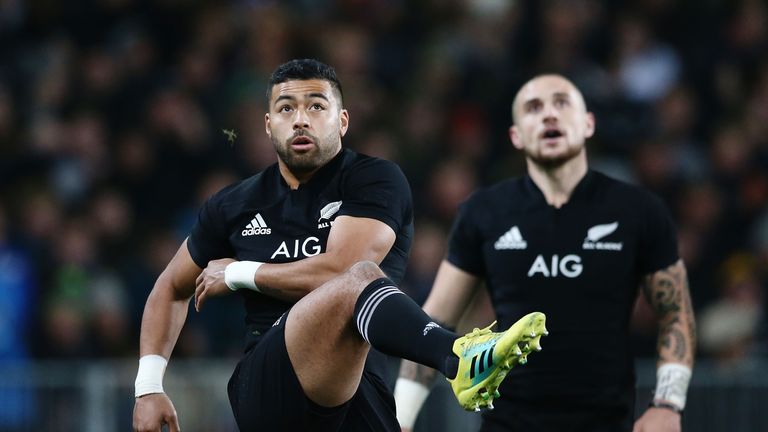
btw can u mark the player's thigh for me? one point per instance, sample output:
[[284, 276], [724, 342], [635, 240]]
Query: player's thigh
[[325, 349], [265, 393]]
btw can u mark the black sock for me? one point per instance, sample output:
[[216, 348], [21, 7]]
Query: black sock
[[394, 324]]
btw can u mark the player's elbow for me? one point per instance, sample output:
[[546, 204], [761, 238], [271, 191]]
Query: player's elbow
[[165, 290]]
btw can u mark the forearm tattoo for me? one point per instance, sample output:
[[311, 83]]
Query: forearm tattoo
[[668, 294]]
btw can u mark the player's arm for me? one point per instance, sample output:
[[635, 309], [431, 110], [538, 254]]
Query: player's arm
[[667, 292], [350, 240], [451, 294], [164, 315]]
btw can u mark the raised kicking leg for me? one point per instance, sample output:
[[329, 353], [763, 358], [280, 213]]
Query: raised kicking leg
[[324, 340], [328, 332]]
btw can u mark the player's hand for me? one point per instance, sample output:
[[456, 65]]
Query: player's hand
[[210, 283], [658, 420], [152, 411]]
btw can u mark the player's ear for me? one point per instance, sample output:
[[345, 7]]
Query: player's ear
[[266, 125], [343, 122], [590, 129], [514, 136]]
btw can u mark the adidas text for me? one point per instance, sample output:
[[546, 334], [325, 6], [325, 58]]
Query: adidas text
[[257, 226], [256, 231]]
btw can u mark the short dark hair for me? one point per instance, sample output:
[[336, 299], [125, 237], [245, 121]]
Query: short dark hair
[[303, 69]]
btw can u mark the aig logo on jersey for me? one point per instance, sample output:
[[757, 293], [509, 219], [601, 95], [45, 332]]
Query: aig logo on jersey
[[596, 233], [257, 226], [569, 266]]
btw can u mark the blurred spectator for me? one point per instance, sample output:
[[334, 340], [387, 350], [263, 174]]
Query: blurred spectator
[[429, 249], [67, 302], [450, 183], [729, 326], [18, 294], [647, 68], [379, 143]]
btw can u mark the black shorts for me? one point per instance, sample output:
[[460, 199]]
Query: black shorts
[[265, 395]]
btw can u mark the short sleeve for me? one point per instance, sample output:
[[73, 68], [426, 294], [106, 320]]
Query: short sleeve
[[465, 244], [208, 239], [378, 189], [658, 237]]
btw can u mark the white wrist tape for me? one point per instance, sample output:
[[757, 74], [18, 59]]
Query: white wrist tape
[[149, 379], [239, 274], [672, 383], [409, 397]]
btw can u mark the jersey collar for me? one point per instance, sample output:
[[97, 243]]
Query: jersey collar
[[582, 189]]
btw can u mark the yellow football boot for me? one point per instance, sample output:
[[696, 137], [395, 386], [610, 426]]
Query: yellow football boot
[[485, 358]]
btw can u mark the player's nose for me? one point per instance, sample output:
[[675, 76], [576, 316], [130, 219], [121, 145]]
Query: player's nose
[[300, 120], [549, 113]]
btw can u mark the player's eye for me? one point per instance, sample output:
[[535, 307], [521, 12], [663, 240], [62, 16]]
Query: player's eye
[[284, 108], [560, 103], [533, 107], [317, 107]]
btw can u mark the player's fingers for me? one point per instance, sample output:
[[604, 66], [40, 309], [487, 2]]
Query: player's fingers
[[145, 428], [200, 298], [173, 423], [200, 278]]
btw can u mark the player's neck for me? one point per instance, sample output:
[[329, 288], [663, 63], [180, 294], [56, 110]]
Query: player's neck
[[292, 179], [557, 183]]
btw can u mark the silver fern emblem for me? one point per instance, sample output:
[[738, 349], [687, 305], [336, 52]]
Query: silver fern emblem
[[329, 210], [599, 231]]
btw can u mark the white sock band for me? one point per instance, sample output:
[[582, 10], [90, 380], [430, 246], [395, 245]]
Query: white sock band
[[370, 305], [409, 397], [672, 383], [149, 379], [239, 274]]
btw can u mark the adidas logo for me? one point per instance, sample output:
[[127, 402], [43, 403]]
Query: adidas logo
[[481, 362], [430, 325], [257, 226], [511, 239]]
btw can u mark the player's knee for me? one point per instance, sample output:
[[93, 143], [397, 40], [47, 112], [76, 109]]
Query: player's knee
[[364, 272]]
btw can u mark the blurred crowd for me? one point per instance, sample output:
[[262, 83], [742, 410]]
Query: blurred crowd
[[112, 119]]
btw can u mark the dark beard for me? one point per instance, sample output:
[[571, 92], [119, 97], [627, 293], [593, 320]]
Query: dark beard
[[551, 163], [303, 163]]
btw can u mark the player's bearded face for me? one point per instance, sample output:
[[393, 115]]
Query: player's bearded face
[[306, 123], [552, 123], [549, 155], [317, 153]]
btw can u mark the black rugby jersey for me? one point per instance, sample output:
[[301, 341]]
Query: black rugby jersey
[[581, 265], [262, 219]]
